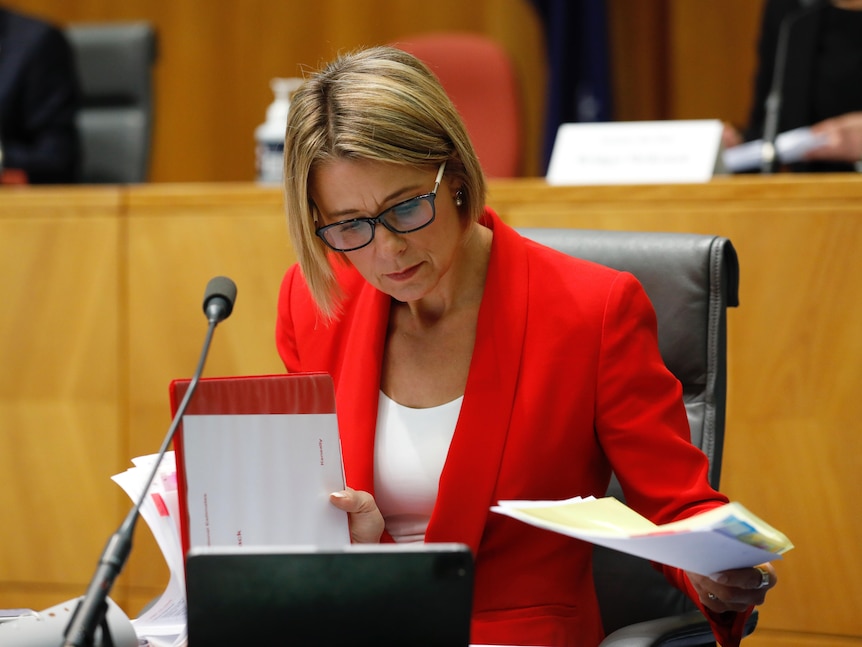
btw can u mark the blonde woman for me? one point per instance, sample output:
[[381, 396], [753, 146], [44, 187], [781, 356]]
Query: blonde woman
[[470, 364]]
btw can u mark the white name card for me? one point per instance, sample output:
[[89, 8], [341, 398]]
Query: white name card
[[636, 152]]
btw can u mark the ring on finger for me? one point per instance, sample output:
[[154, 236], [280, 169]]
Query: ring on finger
[[712, 596], [764, 577]]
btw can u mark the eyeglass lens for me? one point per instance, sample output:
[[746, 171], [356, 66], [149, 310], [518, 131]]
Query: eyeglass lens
[[403, 218]]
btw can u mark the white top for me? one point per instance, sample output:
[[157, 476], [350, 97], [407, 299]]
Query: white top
[[409, 452]]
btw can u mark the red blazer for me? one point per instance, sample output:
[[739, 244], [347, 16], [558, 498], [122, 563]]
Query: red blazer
[[566, 382]]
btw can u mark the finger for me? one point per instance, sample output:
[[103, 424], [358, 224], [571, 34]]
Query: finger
[[365, 521], [714, 602], [828, 148], [764, 577], [351, 500], [740, 588], [342, 500], [758, 577]]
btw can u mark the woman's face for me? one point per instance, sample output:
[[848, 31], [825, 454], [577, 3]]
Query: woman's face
[[409, 266]]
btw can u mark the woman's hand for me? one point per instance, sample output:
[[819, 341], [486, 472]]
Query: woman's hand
[[734, 590], [843, 139], [364, 518]]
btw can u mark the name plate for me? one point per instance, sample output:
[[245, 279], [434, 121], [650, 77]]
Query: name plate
[[636, 152]]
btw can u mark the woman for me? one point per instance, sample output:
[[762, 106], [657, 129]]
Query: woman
[[471, 365], [821, 84]]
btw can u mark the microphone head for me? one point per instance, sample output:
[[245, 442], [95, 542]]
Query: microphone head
[[219, 298]]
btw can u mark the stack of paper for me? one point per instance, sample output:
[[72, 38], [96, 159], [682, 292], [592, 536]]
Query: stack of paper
[[163, 623], [720, 539]]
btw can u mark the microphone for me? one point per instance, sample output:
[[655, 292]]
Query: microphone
[[774, 99], [219, 298]]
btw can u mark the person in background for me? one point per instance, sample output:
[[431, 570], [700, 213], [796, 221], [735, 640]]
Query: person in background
[[822, 84], [472, 365], [39, 99]]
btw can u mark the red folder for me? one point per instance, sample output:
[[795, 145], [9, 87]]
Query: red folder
[[297, 393]]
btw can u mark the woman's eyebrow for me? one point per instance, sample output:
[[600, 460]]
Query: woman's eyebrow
[[392, 196]]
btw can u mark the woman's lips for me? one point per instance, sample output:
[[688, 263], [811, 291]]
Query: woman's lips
[[404, 275]]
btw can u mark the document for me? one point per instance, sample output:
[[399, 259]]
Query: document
[[259, 480], [720, 539], [163, 623], [790, 147], [256, 459]]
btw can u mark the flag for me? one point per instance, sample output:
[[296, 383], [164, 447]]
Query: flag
[[579, 87]]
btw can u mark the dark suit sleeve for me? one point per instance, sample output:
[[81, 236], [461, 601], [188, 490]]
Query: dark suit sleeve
[[40, 135]]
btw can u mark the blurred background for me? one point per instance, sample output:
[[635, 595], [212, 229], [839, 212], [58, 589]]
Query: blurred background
[[575, 60]]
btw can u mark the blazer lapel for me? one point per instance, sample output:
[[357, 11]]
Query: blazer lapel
[[469, 478]]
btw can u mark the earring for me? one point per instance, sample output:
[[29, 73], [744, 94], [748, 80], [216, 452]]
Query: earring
[[459, 197]]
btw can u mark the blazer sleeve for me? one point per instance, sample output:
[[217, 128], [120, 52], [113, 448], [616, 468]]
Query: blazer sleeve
[[641, 420], [643, 429], [285, 328]]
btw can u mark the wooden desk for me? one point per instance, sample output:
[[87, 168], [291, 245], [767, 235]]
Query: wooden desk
[[103, 297], [61, 387]]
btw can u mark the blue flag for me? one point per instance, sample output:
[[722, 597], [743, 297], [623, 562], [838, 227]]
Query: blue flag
[[576, 33]]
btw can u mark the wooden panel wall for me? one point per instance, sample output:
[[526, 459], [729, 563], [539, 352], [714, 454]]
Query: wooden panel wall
[[671, 59], [683, 59], [217, 57], [62, 388]]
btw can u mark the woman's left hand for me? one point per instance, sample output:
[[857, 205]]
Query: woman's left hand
[[734, 590]]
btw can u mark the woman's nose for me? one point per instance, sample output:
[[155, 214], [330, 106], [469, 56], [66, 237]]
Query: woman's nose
[[388, 242]]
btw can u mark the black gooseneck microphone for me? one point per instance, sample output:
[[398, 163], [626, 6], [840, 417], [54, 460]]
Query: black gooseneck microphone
[[769, 155], [219, 298]]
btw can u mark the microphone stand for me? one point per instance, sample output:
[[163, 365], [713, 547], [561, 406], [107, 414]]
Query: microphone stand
[[769, 153], [91, 609]]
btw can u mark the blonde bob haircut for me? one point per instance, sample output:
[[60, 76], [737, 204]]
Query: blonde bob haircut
[[378, 104]]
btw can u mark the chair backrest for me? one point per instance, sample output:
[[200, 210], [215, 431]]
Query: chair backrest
[[480, 78], [114, 62], [691, 280]]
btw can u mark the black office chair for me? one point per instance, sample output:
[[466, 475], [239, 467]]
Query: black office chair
[[114, 62], [691, 280]]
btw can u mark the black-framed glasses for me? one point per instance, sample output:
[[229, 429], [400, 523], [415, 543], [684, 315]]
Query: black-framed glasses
[[403, 218]]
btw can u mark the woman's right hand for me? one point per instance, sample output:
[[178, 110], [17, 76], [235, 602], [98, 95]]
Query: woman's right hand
[[364, 518]]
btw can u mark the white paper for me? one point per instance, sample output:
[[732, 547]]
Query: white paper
[[725, 538], [790, 146], [636, 152], [163, 623], [242, 471], [263, 480]]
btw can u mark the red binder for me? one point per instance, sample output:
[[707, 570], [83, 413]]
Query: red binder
[[291, 400]]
